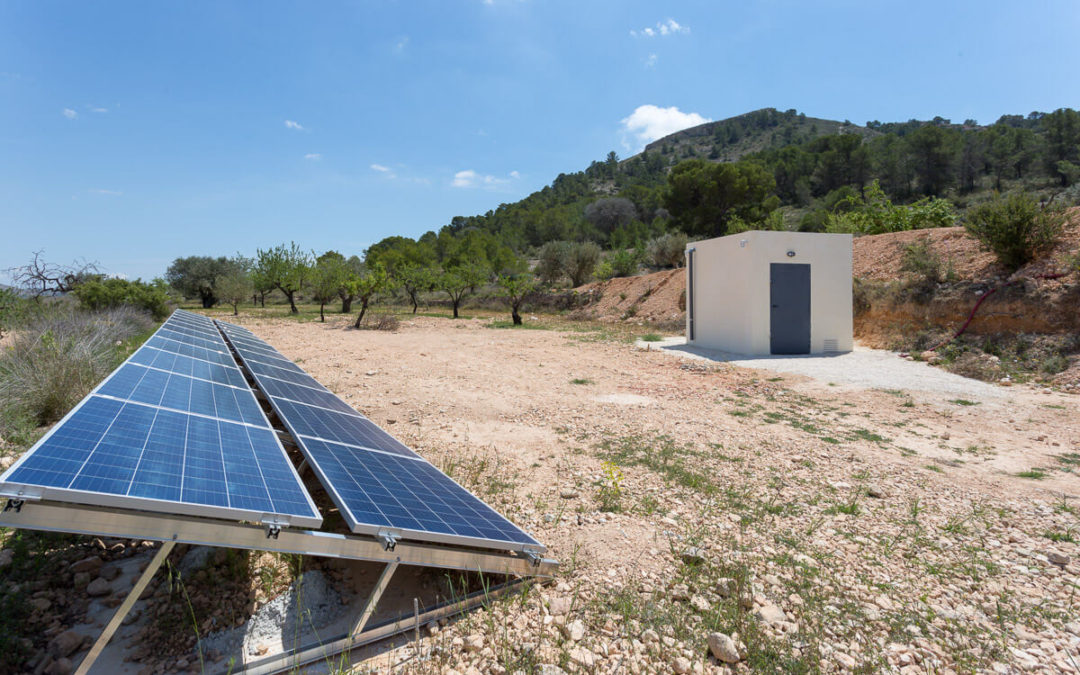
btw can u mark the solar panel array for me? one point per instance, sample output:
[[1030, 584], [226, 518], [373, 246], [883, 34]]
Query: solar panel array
[[377, 483], [174, 429]]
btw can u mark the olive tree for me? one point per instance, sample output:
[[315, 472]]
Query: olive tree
[[234, 288], [457, 282]]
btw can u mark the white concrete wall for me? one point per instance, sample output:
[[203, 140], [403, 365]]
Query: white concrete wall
[[732, 301]]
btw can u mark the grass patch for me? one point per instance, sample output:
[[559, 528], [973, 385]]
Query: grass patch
[[676, 463], [1035, 474], [581, 380], [933, 467], [963, 401], [652, 337]]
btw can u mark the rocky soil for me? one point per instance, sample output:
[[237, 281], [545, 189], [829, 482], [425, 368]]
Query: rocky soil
[[707, 518], [717, 519]]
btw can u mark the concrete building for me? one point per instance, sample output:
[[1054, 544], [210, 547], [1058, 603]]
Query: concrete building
[[762, 293]]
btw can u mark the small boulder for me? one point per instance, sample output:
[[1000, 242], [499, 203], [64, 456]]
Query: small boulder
[[724, 648], [98, 587], [474, 642], [700, 604], [770, 614], [568, 493], [559, 605], [875, 491], [681, 665], [65, 643], [575, 630], [583, 657], [1059, 559], [680, 592], [89, 565], [725, 587]]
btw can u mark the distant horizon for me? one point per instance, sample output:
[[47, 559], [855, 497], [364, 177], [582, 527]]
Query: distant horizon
[[135, 134]]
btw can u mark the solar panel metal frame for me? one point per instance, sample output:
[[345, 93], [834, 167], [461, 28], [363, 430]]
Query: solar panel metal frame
[[366, 528], [70, 496]]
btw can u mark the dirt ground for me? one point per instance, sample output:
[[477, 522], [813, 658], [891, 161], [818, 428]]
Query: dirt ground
[[934, 524]]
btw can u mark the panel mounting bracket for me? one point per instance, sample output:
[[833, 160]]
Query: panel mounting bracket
[[534, 558], [273, 530], [14, 504], [388, 539]]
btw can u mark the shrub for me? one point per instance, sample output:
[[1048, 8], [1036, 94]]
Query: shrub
[[668, 250], [552, 262], [581, 260], [625, 263], [98, 294], [57, 358], [1015, 228], [388, 322]]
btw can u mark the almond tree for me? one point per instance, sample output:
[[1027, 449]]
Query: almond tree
[[516, 289], [366, 286], [286, 269]]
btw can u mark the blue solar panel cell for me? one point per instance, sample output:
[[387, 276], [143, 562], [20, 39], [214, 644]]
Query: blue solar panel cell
[[381, 490], [175, 429], [201, 353], [294, 392], [261, 369], [353, 429]]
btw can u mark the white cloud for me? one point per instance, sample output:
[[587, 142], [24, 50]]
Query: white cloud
[[313, 156], [649, 122], [650, 62], [384, 170], [96, 109], [400, 45], [108, 193], [290, 124], [70, 114], [663, 28], [471, 179]]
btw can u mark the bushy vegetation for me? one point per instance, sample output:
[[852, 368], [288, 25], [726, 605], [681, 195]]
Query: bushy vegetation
[[57, 357], [1015, 228], [101, 294]]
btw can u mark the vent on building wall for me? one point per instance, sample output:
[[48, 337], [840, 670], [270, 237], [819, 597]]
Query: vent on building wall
[[831, 346]]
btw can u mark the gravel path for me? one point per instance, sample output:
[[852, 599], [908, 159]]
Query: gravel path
[[863, 368]]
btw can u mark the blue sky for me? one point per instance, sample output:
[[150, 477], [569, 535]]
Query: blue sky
[[133, 133]]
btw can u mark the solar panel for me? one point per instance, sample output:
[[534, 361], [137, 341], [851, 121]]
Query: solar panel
[[377, 482], [174, 429]]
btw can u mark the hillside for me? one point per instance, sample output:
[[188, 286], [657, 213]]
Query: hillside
[[811, 166], [731, 139]]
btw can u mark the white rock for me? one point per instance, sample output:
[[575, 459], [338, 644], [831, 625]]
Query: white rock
[[723, 648], [474, 642], [770, 614], [575, 630]]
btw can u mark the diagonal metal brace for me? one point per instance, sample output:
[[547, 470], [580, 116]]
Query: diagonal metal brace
[[125, 607], [373, 599]]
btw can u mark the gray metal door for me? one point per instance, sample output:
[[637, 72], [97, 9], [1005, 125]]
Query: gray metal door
[[789, 322]]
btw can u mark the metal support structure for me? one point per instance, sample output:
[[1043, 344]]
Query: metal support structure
[[125, 607], [327, 650], [373, 599], [104, 522]]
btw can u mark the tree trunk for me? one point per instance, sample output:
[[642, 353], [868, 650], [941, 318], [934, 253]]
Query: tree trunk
[[456, 303], [414, 304], [346, 305], [514, 314], [262, 299], [292, 302], [360, 316], [236, 309], [322, 317], [207, 300]]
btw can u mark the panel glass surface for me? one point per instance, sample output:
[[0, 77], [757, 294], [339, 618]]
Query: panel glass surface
[[376, 481], [169, 432]]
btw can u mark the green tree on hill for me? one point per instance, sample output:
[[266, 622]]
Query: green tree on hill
[[365, 286], [702, 197]]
